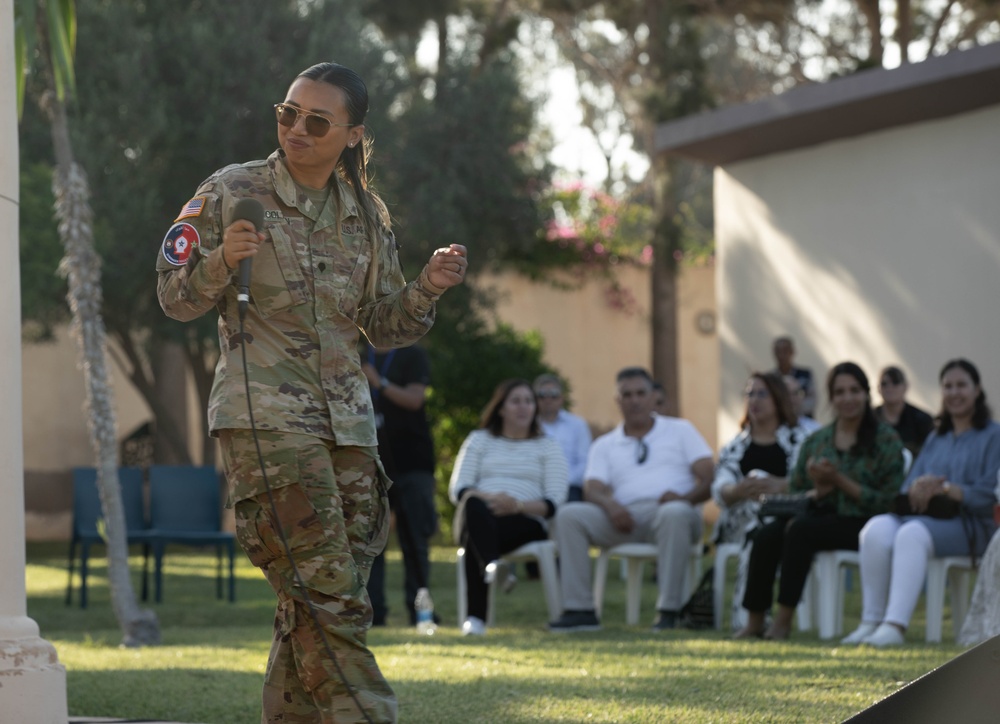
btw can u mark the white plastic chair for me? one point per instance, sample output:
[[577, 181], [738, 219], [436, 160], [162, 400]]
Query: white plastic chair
[[723, 552], [829, 570], [636, 555], [956, 571], [542, 551]]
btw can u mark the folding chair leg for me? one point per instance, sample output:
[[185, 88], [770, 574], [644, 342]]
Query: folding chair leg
[[936, 582], [491, 595], [633, 595], [232, 573], [72, 561], [145, 571], [461, 602], [959, 599], [600, 580], [158, 574], [218, 572], [550, 580], [84, 556], [718, 589]]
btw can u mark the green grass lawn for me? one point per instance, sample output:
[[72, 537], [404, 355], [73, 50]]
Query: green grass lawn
[[210, 666]]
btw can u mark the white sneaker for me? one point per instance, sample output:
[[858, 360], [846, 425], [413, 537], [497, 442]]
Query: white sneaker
[[885, 635], [474, 627], [860, 633], [491, 572]]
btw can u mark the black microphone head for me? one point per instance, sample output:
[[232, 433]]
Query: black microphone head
[[250, 210]]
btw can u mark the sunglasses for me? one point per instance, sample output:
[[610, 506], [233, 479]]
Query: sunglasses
[[316, 125], [643, 452]]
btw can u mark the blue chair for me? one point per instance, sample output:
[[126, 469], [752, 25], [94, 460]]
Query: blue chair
[[87, 511], [185, 508]]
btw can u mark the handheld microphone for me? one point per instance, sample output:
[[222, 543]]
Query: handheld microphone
[[253, 211]]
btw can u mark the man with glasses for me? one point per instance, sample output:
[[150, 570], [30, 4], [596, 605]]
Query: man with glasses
[[569, 430], [645, 481]]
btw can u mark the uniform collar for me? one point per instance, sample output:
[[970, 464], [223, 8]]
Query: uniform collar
[[284, 186]]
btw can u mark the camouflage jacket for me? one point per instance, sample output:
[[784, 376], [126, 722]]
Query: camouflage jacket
[[309, 299]]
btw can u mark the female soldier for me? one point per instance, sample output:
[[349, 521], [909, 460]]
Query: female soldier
[[325, 267]]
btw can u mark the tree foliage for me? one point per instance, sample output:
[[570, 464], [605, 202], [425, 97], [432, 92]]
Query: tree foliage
[[43, 292], [177, 91]]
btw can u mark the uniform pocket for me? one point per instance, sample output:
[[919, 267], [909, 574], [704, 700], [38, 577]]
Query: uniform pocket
[[379, 514], [260, 534], [276, 281]]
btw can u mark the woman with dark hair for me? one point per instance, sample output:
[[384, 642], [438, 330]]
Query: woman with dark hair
[[912, 424], [757, 461], [507, 482], [324, 269], [959, 461], [850, 469], [754, 463]]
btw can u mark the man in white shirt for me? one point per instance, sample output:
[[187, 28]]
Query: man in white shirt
[[570, 431], [645, 482]]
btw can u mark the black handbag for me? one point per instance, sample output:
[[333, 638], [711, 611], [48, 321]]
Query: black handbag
[[939, 506], [785, 505], [699, 611]]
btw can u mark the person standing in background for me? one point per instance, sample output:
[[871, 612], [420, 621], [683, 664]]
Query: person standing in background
[[784, 356], [398, 380], [569, 430]]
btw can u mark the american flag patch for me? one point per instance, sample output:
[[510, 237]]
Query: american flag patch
[[192, 208]]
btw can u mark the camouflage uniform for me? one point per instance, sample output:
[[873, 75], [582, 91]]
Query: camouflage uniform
[[331, 503], [309, 290]]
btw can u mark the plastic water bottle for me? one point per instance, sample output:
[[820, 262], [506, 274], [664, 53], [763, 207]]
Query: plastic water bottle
[[425, 612]]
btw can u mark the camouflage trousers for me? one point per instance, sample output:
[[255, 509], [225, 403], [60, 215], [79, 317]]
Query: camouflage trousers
[[331, 504]]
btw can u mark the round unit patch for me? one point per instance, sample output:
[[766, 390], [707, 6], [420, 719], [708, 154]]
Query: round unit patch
[[179, 242]]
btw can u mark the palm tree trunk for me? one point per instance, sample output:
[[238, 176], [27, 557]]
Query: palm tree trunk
[[81, 266]]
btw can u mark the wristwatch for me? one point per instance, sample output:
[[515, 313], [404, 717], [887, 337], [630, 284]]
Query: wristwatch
[[383, 383]]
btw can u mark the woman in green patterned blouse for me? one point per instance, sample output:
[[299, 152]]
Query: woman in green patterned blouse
[[851, 469]]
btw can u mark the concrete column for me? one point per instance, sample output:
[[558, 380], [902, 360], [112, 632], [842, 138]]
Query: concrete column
[[32, 681]]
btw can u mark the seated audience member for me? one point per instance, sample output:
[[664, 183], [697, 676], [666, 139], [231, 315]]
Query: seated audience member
[[507, 482], [959, 461], [851, 469], [754, 463], [912, 424], [784, 356], [644, 482], [569, 430], [796, 395]]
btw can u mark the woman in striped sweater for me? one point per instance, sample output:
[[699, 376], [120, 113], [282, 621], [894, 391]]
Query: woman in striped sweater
[[508, 480]]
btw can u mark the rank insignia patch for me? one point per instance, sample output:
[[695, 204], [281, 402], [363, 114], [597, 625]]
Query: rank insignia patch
[[192, 208], [179, 242]]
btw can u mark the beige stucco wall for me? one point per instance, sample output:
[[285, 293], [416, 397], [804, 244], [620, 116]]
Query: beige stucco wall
[[56, 438], [588, 340], [881, 249], [55, 423]]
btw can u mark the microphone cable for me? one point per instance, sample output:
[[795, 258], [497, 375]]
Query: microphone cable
[[284, 541]]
